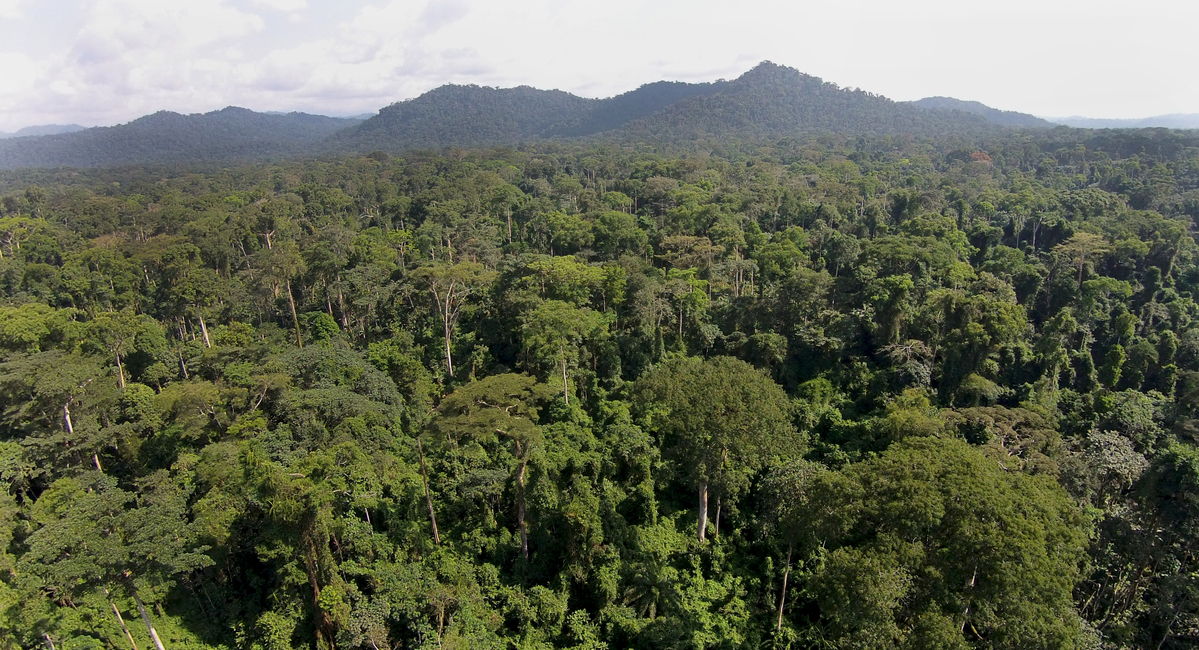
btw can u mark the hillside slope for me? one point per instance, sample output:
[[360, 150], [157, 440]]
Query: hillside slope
[[993, 115], [230, 134], [465, 116], [770, 101], [767, 101], [776, 101], [617, 111]]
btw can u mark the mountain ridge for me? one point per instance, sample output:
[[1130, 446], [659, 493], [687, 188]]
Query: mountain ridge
[[1168, 121], [228, 134], [43, 129], [769, 101], [772, 101], [994, 115]]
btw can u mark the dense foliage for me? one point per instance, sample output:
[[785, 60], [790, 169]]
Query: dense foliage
[[829, 393]]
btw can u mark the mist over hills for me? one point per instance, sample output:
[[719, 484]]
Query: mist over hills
[[769, 101]]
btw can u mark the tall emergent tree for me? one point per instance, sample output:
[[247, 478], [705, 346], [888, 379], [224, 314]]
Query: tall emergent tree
[[719, 420], [450, 285], [934, 545], [554, 334], [498, 414]]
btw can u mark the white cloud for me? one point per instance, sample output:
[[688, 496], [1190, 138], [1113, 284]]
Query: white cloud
[[105, 61], [11, 9], [285, 6], [166, 28]]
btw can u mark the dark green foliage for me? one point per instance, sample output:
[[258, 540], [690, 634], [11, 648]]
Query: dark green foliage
[[467, 116], [938, 393], [932, 544]]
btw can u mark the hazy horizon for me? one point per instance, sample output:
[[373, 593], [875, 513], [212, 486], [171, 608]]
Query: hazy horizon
[[106, 62]]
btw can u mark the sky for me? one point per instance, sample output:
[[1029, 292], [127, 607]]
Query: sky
[[104, 62]]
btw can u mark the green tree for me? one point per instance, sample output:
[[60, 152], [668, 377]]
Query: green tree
[[451, 286], [499, 413], [1080, 249], [719, 421], [932, 544], [554, 335], [92, 535]]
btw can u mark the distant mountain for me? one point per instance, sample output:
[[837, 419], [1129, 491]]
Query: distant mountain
[[777, 101], [609, 114], [230, 134], [45, 129], [768, 101], [466, 116], [1173, 121], [993, 115]]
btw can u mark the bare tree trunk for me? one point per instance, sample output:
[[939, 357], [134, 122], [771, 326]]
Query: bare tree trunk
[[449, 362], [565, 384], [520, 512], [204, 329], [716, 522], [424, 475], [141, 609], [703, 510], [120, 372], [783, 594], [49, 642], [121, 620], [341, 305], [294, 318]]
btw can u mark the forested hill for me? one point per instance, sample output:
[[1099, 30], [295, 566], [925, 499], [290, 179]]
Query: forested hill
[[228, 135], [465, 116], [613, 113], [772, 101], [994, 115], [769, 101]]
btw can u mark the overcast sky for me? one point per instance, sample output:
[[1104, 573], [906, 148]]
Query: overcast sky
[[103, 62]]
